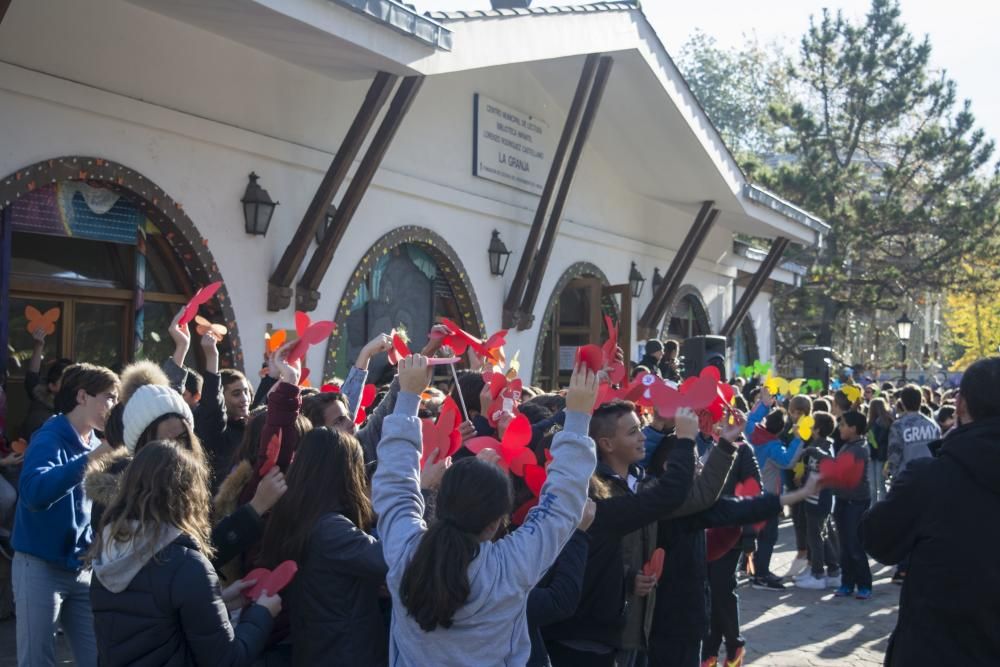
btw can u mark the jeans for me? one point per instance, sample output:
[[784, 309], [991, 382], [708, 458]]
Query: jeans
[[854, 568], [44, 595], [725, 607], [876, 481], [765, 547], [824, 546]]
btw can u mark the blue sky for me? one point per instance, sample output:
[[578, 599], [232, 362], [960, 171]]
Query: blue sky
[[963, 33]]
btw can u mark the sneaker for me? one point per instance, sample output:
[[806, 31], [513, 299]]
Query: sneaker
[[711, 661], [898, 577], [863, 594], [798, 566], [844, 592], [768, 583], [737, 659], [811, 583], [833, 581]]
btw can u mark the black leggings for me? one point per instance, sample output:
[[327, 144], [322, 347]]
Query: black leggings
[[725, 606]]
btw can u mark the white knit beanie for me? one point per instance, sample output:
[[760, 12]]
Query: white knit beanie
[[147, 404]]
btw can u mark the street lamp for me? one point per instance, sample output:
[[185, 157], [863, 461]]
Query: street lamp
[[257, 207], [499, 255], [903, 326], [636, 280]]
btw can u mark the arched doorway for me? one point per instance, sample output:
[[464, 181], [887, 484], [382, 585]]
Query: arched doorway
[[113, 252], [573, 317], [687, 317], [410, 277]]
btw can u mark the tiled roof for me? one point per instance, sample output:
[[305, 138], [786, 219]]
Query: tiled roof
[[404, 18], [464, 15]]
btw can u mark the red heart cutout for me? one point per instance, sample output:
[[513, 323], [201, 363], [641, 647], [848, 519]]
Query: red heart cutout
[[843, 472], [441, 436], [654, 566], [271, 582], [259, 575]]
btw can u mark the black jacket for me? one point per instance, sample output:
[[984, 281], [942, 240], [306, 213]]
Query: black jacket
[[682, 596], [942, 512], [333, 600], [220, 436], [172, 614], [601, 614], [555, 597]]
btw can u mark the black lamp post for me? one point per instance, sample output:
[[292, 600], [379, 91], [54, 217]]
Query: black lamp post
[[499, 255], [257, 207], [636, 281], [903, 326]]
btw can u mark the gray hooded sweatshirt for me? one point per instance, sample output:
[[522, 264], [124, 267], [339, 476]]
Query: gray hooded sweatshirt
[[491, 628], [119, 562], [908, 439]]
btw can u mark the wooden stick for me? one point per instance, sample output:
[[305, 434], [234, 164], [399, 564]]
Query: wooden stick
[[458, 388]]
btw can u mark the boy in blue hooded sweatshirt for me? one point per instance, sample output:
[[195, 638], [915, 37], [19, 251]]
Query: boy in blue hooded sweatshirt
[[763, 430], [458, 597], [52, 526]]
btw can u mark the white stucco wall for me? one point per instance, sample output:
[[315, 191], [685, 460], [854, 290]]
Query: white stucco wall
[[196, 113]]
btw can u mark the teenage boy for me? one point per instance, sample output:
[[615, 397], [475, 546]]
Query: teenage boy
[[612, 623], [851, 504], [52, 529]]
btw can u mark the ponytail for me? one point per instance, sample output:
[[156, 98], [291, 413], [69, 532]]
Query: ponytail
[[435, 584]]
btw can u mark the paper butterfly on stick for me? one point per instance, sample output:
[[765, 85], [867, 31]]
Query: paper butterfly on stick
[[275, 339], [310, 333], [203, 326], [534, 478], [459, 340], [505, 395], [696, 393], [513, 449], [200, 297], [45, 321]]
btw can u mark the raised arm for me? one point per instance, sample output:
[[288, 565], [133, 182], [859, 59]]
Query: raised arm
[[396, 493], [210, 417], [45, 477], [531, 549], [708, 485]]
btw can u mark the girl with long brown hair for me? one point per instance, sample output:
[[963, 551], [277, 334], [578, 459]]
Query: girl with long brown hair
[[154, 594], [323, 523]]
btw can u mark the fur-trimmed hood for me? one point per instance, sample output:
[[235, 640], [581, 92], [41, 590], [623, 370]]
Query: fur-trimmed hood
[[139, 374], [104, 476], [227, 499]]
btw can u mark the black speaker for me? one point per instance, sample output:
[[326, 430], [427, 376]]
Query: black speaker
[[816, 362], [700, 351]]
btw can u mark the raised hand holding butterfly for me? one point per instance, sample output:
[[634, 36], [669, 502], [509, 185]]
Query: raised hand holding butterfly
[[686, 424], [583, 387], [181, 336]]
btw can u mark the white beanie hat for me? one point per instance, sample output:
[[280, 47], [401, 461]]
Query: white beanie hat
[[146, 405]]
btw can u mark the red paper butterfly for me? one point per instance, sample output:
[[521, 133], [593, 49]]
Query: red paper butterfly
[[200, 297], [696, 393], [399, 350], [617, 372], [270, 582], [310, 333], [513, 449], [460, 340], [367, 398], [441, 436], [505, 395]]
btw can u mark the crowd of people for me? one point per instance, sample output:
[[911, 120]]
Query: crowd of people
[[155, 510]]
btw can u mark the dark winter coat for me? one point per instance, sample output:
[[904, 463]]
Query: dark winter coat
[[233, 534], [333, 600], [941, 512], [683, 596], [172, 614], [602, 612], [556, 597]]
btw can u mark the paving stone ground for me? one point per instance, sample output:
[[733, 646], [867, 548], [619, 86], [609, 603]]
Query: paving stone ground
[[804, 628], [793, 628]]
